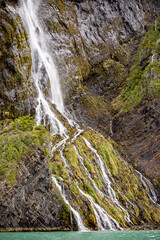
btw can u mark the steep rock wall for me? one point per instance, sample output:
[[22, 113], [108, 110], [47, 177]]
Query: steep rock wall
[[83, 33], [33, 202], [17, 90], [89, 177]]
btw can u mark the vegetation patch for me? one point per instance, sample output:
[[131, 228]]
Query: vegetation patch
[[144, 78], [18, 139]]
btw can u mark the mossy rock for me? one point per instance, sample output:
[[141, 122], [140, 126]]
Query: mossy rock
[[18, 139], [144, 78]]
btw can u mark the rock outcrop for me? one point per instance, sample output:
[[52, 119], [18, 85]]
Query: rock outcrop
[[84, 33], [138, 132], [81, 34], [17, 90], [33, 201]]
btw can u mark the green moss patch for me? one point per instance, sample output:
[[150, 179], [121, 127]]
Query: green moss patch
[[18, 139], [144, 78]]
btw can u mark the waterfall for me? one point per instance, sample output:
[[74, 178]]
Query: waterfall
[[78, 219], [104, 221], [148, 187], [111, 128], [153, 55], [43, 69], [107, 181], [111, 192], [44, 73], [89, 175]]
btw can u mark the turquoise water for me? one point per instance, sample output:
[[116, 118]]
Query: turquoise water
[[107, 235]]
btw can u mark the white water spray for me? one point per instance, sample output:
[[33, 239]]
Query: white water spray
[[148, 187], [77, 217], [104, 220], [43, 69], [107, 181]]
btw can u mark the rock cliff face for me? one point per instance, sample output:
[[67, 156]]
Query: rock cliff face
[[16, 87], [33, 202], [30, 200], [107, 54], [139, 133], [81, 34], [84, 33]]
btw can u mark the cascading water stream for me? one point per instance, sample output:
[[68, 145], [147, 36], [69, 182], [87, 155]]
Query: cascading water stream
[[146, 183], [111, 128], [44, 72], [97, 189], [111, 192], [104, 220], [77, 217], [148, 187], [43, 69], [88, 174], [100, 224], [107, 181]]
